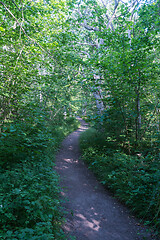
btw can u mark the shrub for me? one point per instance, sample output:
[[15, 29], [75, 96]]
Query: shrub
[[133, 179], [30, 207]]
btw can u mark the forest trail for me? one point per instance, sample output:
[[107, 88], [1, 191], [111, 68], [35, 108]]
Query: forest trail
[[93, 214]]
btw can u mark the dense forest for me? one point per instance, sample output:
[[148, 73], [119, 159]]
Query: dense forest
[[60, 59]]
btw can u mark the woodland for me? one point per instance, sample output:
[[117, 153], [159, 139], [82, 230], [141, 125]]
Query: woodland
[[97, 59]]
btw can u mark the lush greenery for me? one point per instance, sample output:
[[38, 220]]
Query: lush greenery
[[30, 195], [133, 179], [59, 58], [35, 115], [122, 75], [122, 102]]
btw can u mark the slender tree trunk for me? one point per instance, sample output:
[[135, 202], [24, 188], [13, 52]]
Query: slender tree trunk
[[138, 117], [158, 122], [99, 102]]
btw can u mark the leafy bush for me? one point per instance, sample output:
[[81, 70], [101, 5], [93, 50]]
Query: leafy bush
[[133, 179], [21, 139], [30, 207], [97, 140]]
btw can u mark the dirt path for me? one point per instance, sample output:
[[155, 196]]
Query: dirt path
[[93, 214]]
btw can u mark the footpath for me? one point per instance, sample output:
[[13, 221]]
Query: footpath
[[92, 212]]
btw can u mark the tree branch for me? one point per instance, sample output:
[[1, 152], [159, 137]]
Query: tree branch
[[33, 40], [150, 120], [90, 28], [115, 8], [16, 5], [18, 57]]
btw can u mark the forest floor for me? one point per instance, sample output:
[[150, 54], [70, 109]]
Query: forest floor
[[92, 213]]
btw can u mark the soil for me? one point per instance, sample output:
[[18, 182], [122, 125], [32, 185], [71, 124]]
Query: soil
[[92, 213]]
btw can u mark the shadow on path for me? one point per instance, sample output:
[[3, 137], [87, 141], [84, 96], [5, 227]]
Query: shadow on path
[[93, 214]]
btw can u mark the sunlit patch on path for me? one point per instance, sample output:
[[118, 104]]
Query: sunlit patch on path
[[93, 214]]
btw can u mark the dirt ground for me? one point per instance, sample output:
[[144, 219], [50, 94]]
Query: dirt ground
[[92, 212]]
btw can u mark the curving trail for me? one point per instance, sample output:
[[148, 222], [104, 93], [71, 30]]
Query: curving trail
[[92, 213]]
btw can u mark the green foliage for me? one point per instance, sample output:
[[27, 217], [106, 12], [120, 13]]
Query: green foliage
[[30, 207], [35, 92], [92, 138], [121, 70], [21, 139], [133, 179]]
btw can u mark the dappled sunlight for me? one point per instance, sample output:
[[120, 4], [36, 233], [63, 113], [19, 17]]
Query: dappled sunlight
[[68, 160], [63, 194], [92, 223], [70, 148], [83, 128], [66, 163], [65, 167]]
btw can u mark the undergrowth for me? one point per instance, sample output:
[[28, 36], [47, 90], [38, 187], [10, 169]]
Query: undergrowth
[[30, 207], [133, 179]]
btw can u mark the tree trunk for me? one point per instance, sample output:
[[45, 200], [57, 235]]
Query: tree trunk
[[138, 117]]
